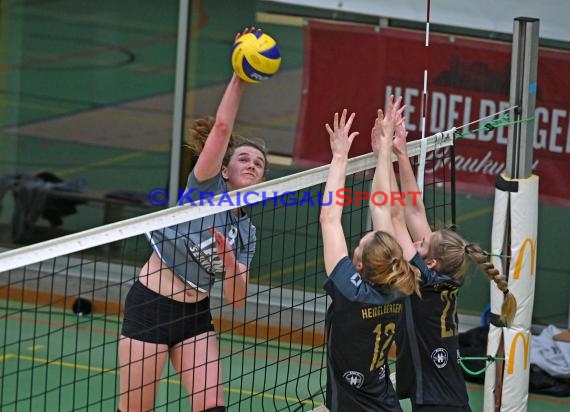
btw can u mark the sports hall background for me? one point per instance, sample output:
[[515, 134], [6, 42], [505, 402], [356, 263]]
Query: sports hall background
[[87, 95]]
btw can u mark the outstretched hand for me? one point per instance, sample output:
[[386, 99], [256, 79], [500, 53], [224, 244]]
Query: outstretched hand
[[393, 116], [377, 132], [340, 136], [248, 30], [386, 123], [223, 245], [400, 139]]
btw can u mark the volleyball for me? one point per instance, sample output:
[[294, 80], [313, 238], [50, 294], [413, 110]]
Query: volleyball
[[255, 57]]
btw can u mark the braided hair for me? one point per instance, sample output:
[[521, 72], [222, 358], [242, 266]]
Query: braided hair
[[453, 254]]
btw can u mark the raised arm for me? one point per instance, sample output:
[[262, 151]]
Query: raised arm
[[388, 216], [334, 243], [210, 160], [379, 199], [393, 196], [415, 212], [381, 141]]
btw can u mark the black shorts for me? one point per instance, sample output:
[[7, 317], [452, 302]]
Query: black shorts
[[153, 318]]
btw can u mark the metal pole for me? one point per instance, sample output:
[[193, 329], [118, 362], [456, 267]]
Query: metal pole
[[524, 63], [179, 100]]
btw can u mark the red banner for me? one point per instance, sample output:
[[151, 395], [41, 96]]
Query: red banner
[[357, 67]]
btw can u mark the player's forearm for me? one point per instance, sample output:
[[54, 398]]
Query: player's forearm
[[380, 209], [227, 111], [215, 147], [229, 105], [235, 283], [382, 176], [337, 174], [409, 185], [397, 199]]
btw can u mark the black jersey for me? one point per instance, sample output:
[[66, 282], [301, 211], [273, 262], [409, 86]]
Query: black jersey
[[427, 343], [361, 325]]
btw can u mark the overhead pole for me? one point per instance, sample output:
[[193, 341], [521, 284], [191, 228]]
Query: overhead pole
[[178, 116]]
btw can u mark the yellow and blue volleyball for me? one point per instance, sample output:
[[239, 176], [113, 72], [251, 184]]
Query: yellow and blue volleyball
[[255, 57]]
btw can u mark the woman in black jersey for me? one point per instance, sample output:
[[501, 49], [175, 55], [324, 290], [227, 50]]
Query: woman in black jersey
[[366, 293], [427, 365]]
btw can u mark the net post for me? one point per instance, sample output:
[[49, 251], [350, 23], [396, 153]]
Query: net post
[[524, 62], [515, 224]]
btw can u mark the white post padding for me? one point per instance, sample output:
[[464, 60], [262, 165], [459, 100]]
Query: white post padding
[[524, 228], [493, 342], [498, 234], [500, 220], [516, 369], [523, 224]]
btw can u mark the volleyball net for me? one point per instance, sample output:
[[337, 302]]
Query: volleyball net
[[62, 300]]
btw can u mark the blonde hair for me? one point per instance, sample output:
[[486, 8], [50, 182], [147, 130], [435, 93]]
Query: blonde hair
[[384, 264], [200, 131], [453, 252]]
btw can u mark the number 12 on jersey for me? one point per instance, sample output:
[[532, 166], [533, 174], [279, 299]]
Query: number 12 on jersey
[[381, 346]]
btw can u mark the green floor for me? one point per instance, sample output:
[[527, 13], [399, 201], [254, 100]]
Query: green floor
[[69, 363], [54, 360]]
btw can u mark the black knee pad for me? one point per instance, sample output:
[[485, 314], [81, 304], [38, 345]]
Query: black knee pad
[[216, 409]]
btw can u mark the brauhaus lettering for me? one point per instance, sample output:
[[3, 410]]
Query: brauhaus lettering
[[341, 197]]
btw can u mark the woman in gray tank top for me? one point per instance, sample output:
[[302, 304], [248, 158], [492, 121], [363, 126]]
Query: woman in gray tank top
[[167, 311]]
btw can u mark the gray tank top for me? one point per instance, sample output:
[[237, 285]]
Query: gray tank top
[[189, 248]]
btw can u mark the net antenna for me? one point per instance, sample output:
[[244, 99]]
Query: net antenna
[[423, 151]]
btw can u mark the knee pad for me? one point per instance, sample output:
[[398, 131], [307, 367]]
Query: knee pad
[[216, 409]]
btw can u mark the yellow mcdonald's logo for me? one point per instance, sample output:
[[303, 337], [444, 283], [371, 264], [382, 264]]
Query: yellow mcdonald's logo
[[518, 263], [525, 341]]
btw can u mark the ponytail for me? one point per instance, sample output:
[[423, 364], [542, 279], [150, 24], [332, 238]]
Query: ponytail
[[509, 307], [407, 277], [199, 133], [384, 264]]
